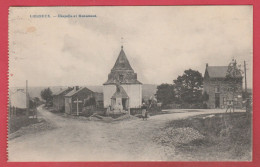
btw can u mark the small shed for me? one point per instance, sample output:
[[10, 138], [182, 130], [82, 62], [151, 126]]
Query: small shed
[[59, 99], [75, 99], [99, 99]]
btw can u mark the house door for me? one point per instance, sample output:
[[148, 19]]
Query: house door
[[217, 100], [124, 103]]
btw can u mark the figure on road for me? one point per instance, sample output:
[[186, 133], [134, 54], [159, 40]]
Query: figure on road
[[144, 111]]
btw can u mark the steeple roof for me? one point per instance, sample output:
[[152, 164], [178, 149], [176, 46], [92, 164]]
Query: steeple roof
[[122, 62], [122, 72]]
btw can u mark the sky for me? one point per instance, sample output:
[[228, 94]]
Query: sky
[[160, 42]]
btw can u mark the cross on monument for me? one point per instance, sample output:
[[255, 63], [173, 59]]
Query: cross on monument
[[78, 101]]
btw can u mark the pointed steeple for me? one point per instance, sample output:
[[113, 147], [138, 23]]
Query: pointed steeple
[[122, 72], [122, 62]]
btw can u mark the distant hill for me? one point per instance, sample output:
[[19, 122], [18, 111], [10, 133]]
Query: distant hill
[[148, 90]]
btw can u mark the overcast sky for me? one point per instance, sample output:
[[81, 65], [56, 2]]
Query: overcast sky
[[160, 42]]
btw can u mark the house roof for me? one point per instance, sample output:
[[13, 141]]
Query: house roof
[[74, 91], [60, 92], [122, 62], [18, 99], [221, 71], [120, 93], [217, 71], [63, 91]]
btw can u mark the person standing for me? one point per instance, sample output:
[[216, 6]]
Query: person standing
[[230, 106], [144, 111]]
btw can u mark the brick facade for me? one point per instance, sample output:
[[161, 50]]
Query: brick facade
[[220, 90]]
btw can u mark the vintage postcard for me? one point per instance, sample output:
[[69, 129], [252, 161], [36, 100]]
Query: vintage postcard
[[130, 83]]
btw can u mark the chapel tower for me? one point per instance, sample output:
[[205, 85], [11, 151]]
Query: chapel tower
[[122, 90]]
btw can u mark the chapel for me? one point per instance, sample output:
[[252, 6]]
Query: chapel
[[122, 90]]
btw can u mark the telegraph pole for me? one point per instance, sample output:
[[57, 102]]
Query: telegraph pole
[[245, 76], [27, 99]]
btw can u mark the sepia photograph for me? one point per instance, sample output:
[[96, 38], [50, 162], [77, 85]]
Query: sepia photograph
[[130, 83]]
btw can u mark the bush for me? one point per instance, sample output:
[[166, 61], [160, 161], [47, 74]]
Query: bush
[[87, 112]]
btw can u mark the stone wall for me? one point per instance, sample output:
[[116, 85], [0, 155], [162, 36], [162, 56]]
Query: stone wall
[[225, 93]]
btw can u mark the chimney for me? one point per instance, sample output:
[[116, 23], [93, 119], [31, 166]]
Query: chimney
[[77, 87], [207, 65]]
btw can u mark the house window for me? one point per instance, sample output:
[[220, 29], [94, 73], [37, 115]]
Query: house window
[[217, 89], [224, 100]]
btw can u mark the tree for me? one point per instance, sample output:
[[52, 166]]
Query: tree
[[46, 95], [234, 81], [165, 94], [36, 100], [188, 87]]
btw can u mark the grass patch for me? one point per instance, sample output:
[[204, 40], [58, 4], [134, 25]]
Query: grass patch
[[17, 122], [226, 137]]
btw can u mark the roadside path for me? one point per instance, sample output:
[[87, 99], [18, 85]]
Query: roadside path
[[77, 140]]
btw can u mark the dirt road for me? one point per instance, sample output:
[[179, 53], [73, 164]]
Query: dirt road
[[77, 140]]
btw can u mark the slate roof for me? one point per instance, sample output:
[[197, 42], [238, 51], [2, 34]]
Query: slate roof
[[217, 71], [120, 93], [122, 62], [98, 96], [122, 68], [60, 92], [73, 92], [125, 81]]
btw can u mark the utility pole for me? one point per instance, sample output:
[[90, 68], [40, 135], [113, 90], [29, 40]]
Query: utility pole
[[245, 76], [27, 99]]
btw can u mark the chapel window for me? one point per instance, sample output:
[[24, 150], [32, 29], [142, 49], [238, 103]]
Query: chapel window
[[121, 78]]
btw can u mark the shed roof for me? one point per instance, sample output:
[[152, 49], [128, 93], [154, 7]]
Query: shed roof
[[63, 91], [59, 92], [74, 91], [98, 96]]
